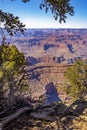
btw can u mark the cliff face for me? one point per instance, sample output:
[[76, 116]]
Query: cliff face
[[43, 75], [52, 45]]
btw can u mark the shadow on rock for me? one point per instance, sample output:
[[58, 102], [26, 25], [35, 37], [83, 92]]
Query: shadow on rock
[[51, 94]]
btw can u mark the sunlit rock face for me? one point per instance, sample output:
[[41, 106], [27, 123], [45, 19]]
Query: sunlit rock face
[[52, 95]]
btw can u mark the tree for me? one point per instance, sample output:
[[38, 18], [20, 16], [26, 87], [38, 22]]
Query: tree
[[59, 9], [12, 72], [76, 76]]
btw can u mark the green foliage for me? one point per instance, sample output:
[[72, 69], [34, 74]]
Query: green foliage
[[1, 74], [76, 76], [12, 73], [10, 54], [11, 23], [59, 8]]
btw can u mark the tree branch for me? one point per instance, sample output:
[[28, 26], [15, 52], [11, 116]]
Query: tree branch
[[7, 119]]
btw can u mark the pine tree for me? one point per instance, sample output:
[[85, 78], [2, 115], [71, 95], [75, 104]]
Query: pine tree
[[13, 80], [76, 76]]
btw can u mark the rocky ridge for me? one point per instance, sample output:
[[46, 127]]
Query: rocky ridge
[[40, 75], [52, 45]]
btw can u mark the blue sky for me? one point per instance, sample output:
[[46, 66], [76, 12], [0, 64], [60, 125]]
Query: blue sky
[[31, 15]]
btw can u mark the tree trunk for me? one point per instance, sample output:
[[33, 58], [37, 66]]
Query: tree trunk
[[11, 97], [7, 119]]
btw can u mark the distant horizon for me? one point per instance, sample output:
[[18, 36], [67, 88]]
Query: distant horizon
[[55, 28], [50, 28]]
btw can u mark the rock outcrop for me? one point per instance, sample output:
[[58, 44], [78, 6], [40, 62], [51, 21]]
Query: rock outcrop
[[56, 116], [42, 75]]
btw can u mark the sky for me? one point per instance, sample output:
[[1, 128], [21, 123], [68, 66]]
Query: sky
[[31, 15]]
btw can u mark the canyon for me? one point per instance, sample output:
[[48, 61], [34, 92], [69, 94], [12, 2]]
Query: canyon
[[48, 53]]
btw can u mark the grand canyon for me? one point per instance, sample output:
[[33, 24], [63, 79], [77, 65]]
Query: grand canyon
[[48, 53], [43, 65]]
